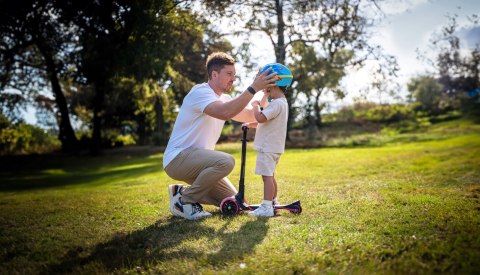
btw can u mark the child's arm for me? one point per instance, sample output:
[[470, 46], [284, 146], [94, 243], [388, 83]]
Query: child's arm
[[259, 116], [264, 101]]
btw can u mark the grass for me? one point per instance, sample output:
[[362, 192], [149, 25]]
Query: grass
[[403, 206]]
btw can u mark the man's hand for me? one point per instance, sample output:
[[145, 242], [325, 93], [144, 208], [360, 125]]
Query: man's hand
[[264, 80]]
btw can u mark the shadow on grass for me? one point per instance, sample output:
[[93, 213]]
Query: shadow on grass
[[38, 172], [164, 241]]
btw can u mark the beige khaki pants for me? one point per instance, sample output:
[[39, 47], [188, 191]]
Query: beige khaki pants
[[206, 172]]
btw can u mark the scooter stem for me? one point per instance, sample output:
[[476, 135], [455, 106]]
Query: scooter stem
[[241, 185]]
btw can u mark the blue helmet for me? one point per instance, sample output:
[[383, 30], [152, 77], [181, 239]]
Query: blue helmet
[[284, 76]]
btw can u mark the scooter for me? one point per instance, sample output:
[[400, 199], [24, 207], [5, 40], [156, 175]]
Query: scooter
[[236, 204]]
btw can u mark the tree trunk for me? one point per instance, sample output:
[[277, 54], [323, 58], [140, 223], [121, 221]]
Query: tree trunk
[[280, 54], [96, 145], [317, 109], [160, 129], [66, 134], [141, 125]]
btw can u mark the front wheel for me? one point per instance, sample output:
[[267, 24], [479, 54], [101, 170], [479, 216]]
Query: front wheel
[[297, 209], [229, 206]]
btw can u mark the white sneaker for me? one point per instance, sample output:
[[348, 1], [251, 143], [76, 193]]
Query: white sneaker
[[274, 204], [174, 193], [190, 211], [263, 211]]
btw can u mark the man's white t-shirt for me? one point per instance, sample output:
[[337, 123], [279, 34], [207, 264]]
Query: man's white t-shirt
[[193, 128], [270, 135]]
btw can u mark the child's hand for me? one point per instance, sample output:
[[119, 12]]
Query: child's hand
[[256, 103], [250, 124]]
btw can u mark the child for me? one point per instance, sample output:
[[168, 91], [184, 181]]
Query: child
[[271, 124]]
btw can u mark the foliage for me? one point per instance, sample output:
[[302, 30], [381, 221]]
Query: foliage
[[22, 138], [458, 72], [316, 75], [79, 49], [36, 50], [457, 65], [428, 93], [326, 35], [374, 112]]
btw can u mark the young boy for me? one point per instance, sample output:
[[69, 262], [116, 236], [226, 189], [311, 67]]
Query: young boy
[[271, 124]]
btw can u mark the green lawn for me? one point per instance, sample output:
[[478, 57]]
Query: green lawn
[[410, 204]]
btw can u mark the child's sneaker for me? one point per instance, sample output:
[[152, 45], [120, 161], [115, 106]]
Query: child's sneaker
[[174, 191], [263, 211], [190, 211], [275, 202]]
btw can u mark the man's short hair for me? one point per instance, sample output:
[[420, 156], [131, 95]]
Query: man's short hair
[[216, 61]]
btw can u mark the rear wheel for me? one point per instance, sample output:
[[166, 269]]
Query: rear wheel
[[229, 206]]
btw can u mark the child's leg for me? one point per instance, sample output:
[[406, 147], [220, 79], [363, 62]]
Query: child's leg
[[275, 187], [268, 187]]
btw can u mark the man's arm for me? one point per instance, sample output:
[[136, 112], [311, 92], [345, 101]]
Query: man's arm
[[228, 110], [245, 115]]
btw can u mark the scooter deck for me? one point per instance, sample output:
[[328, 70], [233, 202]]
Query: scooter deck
[[294, 207]]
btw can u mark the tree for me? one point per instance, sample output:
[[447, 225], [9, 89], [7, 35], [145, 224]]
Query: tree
[[147, 56], [120, 39], [316, 75], [195, 41], [330, 27], [427, 92], [35, 49], [456, 65]]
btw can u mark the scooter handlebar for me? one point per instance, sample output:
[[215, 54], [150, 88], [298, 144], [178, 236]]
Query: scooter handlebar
[[244, 128]]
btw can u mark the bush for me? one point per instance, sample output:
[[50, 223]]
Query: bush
[[122, 140], [373, 112], [388, 113], [115, 138], [25, 138]]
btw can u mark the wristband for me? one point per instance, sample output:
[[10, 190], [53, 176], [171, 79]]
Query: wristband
[[251, 90]]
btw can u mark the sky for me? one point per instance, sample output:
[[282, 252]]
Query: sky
[[408, 25]]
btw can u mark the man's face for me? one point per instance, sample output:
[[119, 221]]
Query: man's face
[[225, 78]]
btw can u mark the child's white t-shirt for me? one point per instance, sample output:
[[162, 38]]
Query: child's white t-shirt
[[270, 135]]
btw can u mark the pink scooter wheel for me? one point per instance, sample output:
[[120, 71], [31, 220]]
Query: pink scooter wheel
[[229, 206]]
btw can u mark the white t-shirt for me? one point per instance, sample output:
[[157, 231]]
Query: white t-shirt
[[270, 135], [193, 128]]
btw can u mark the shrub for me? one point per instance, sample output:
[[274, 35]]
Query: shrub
[[25, 138], [377, 113]]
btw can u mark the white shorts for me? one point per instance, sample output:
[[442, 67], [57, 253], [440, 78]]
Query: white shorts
[[266, 163]]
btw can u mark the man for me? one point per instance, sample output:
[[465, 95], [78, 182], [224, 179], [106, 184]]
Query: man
[[190, 154]]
